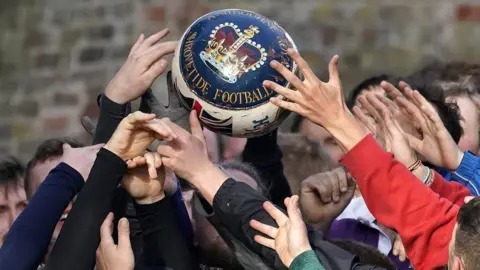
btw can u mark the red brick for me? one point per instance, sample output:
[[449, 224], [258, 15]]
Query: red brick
[[59, 123], [468, 12], [155, 13]]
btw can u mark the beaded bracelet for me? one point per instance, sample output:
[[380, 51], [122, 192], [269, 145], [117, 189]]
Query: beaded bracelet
[[427, 176], [431, 177]]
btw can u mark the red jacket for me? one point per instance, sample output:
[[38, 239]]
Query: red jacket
[[423, 219]]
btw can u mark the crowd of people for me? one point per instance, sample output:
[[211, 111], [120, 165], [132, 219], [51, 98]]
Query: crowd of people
[[385, 178]]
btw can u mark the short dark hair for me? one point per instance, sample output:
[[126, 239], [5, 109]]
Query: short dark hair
[[249, 170], [467, 235], [366, 254], [369, 83], [11, 171], [455, 78], [48, 149]]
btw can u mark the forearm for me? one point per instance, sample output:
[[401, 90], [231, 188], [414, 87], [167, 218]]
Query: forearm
[[32, 231], [165, 244], [398, 200], [76, 245], [111, 114], [348, 132], [265, 155]]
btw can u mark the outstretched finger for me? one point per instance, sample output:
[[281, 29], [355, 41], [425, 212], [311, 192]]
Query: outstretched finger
[[302, 65], [414, 111], [161, 128], [288, 75], [152, 40], [196, 127], [275, 213], [293, 211], [283, 91], [366, 121], [135, 118], [152, 170], [391, 90], [270, 243], [371, 110], [334, 76], [264, 228], [137, 44], [294, 107]]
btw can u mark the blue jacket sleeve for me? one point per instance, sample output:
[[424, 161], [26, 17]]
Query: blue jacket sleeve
[[468, 173], [27, 241]]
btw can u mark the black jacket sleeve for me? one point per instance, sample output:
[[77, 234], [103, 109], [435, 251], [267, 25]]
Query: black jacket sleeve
[[164, 243], [76, 245], [111, 114], [237, 203], [265, 155]]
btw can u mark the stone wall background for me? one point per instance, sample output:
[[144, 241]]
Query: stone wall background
[[57, 55]]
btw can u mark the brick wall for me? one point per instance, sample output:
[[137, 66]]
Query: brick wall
[[57, 55]]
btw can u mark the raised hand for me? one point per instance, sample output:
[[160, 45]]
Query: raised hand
[[325, 195], [136, 132], [436, 144], [111, 256], [187, 155], [321, 102], [145, 185], [144, 64], [395, 139], [290, 239], [84, 164]]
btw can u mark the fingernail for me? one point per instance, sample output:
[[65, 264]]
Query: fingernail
[[344, 189], [274, 63]]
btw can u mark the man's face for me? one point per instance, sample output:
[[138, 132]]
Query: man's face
[[321, 135], [470, 123], [212, 246], [12, 202]]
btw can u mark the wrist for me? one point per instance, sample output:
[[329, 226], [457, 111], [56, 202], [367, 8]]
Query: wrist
[[150, 199], [420, 172], [208, 181], [347, 131], [459, 158], [117, 98]]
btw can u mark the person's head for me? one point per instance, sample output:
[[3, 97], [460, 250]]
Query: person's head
[[464, 249], [46, 157], [213, 247], [369, 85], [317, 133], [447, 111], [302, 157], [12, 193], [365, 253], [460, 82]]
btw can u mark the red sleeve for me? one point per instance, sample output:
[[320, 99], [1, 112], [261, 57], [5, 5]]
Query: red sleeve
[[452, 191], [398, 200]]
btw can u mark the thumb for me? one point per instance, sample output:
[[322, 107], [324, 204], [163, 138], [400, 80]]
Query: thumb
[[294, 211], [124, 234], [195, 126]]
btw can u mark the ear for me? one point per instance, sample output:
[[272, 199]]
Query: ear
[[457, 264]]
